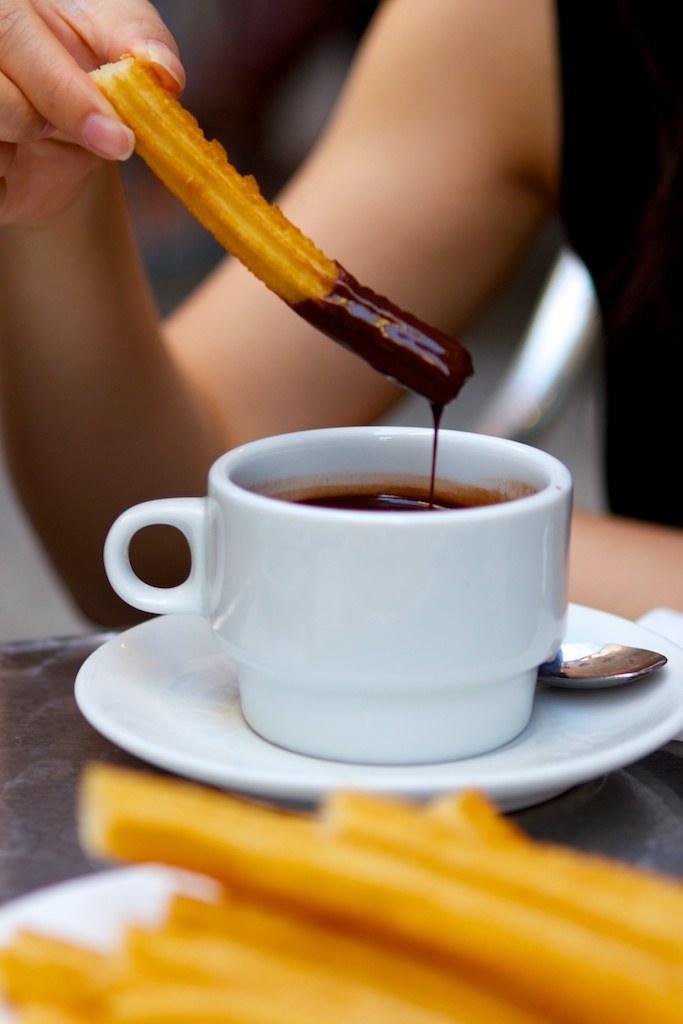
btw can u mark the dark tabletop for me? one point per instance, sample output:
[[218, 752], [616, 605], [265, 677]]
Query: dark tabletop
[[635, 813]]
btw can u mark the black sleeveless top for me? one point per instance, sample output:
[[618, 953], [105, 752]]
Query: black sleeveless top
[[622, 206]]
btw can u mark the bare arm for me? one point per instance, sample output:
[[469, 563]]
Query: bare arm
[[624, 566], [86, 423]]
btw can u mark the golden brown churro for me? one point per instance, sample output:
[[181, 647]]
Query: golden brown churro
[[514, 931], [372, 910], [232, 208]]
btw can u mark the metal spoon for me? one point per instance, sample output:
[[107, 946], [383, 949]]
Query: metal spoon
[[591, 666]]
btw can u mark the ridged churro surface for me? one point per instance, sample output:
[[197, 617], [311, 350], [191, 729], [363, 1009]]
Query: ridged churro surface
[[197, 170]]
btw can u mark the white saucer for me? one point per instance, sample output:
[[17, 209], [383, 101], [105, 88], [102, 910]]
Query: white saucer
[[165, 692]]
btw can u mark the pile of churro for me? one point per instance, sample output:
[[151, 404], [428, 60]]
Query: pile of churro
[[372, 910], [198, 172]]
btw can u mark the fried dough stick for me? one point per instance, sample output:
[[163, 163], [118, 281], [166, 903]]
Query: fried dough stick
[[49, 1013], [471, 815], [197, 171], [321, 989], [162, 972], [267, 1003], [633, 905], [536, 958], [323, 950], [42, 969]]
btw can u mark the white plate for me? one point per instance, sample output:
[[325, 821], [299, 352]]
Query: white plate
[[93, 911], [167, 693]]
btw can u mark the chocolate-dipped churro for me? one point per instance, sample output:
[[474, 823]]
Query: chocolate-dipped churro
[[198, 172]]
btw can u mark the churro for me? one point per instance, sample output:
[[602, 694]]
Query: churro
[[535, 951], [371, 910], [229, 205]]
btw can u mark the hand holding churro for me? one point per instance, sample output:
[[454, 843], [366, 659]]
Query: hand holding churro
[[198, 172]]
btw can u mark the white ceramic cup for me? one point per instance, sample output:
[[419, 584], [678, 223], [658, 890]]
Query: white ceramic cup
[[365, 636]]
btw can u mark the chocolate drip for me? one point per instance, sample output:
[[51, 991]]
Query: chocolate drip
[[397, 344]]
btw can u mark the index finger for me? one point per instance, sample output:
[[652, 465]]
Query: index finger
[[105, 30]]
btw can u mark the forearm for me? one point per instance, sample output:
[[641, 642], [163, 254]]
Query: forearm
[[95, 414], [625, 567]]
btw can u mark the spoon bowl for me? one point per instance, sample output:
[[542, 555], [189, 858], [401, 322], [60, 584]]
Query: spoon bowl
[[589, 666]]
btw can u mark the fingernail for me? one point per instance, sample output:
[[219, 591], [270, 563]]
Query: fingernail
[[108, 138], [164, 60]]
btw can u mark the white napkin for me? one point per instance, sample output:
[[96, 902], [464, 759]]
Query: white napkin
[[669, 623]]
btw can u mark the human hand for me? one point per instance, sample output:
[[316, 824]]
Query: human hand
[[46, 46], [46, 49]]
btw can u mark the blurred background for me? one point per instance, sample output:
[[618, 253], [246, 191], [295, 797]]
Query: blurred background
[[262, 77]]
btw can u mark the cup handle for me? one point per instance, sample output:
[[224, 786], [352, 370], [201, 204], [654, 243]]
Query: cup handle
[[187, 515]]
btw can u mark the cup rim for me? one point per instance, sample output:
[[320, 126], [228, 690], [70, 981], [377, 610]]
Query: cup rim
[[559, 478]]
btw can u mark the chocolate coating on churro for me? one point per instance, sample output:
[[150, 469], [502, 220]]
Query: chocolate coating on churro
[[394, 342]]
